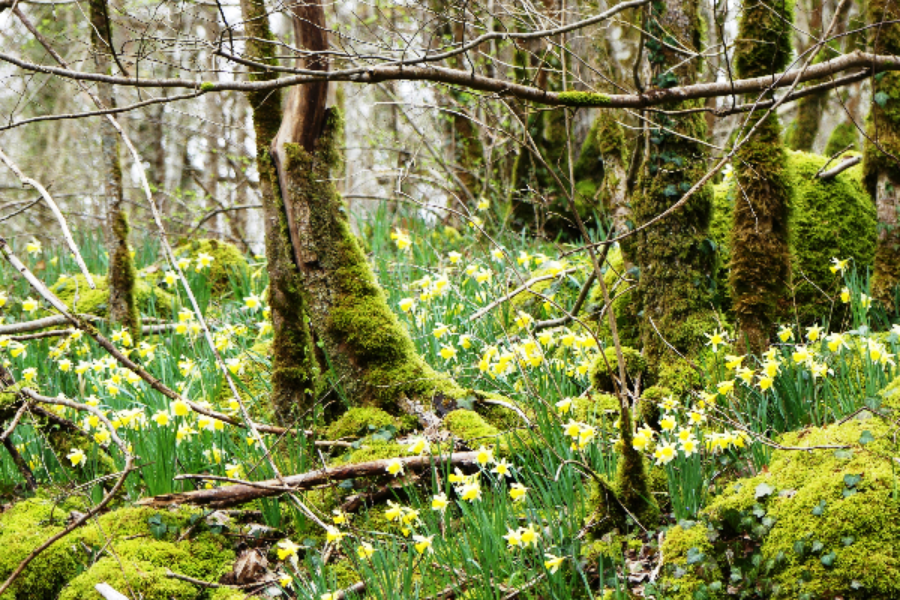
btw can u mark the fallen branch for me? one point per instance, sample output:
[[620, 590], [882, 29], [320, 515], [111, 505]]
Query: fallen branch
[[840, 168], [146, 330], [235, 495], [54, 321]]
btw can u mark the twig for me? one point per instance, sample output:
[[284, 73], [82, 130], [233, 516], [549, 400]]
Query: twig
[[832, 158], [53, 321], [522, 288], [834, 171], [56, 212]]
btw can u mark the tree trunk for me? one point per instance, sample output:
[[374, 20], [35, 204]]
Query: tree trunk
[[369, 350], [122, 308], [294, 367], [881, 168], [675, 257], [760, 256]]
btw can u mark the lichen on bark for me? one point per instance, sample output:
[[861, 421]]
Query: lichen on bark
[[760, 255]]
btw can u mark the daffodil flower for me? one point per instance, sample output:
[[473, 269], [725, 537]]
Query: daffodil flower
[[439, 502], [553, 562], [286, 549], [395, 467], [77, 457], [423, 543]]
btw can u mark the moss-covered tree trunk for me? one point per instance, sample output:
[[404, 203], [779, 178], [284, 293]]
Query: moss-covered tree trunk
[[882, 171], [760, 256], [122, 308], [371, 353], [294, 366], [675, 257]]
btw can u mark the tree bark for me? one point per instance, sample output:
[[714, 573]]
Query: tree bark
[[369, 351], [882, 154], [760, 257], [675, 257], [294, 366], [122, 308]]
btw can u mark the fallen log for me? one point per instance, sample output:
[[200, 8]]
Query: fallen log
[[241, 493]]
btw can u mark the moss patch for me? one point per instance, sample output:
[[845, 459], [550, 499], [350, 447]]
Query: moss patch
[[606, 367], [227, 260], [149, 299], [469, 426], [819, 523], [359, 421]]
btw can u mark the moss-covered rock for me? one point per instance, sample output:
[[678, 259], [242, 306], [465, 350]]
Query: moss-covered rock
[[829, 218], [150, 300], [68, 569], [817, 524], [606, 367], [227, 261], [469, 426], [843, 136]]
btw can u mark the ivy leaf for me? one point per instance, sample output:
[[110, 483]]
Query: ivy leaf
[[817, 547], [828, 559], [819, 509], [763, 490], [851, 480], [881, 99], [848, 541], [157, 527], [866, 437], [694, 556]]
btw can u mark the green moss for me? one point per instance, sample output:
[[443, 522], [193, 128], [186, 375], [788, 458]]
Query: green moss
[[583, 99], [358, 421], [227, 261], [373, 449], [606, 367], [469, 426], [149, 299], [694, 578], [564, 290], [844, 135], [28, 523], [141, 566], [832, 218], [207, 86], [821, 523]]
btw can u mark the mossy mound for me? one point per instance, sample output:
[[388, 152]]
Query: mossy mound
[[150, 300], [141, 566], [68, 569], [227, 261], [830, 218], [819, 524], [606, 366], [470, 427], [359, 421]]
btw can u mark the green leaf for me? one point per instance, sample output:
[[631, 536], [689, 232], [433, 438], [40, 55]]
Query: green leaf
[[828, 559], [763, 490], [866, 437], [817, 546], [694, 556], [851, 480], [881, 99], [819, 509], [848, 541]]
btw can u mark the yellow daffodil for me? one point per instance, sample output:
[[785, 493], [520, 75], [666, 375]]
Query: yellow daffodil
[[365, 550], [845, 294], [286, 549], [423, 543], [439, 502], [665, 454], [553, 562], [29, 305], [419, 445], [785, 334], [395, 467], [77, 457], [716, 339], [517, 492], [204, 260], [838, 265]]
